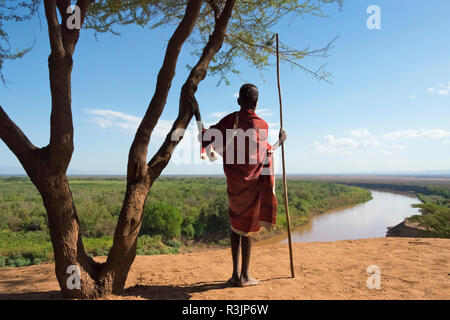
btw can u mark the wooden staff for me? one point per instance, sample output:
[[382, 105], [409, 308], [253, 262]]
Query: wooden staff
[[286, 206]]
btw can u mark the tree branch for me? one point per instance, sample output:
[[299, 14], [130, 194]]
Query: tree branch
[[215, 9], [288, 55], [62, 7], [70, 36], [16, 140], [137, 167], [185, 113], [54, 29], [60, 68]]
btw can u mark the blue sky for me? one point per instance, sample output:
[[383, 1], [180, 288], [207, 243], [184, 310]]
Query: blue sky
[[387, 110]]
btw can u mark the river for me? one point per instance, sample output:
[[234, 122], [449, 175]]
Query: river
[[366, 220]]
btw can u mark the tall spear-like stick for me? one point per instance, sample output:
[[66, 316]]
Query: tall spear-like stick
[[286, 206]]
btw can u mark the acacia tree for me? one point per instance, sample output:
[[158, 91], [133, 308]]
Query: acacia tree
[[249, 24]]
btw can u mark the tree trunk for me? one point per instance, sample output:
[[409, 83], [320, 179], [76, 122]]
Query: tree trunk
[[66, 240]]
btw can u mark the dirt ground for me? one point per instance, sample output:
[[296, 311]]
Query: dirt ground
[[410, 269]]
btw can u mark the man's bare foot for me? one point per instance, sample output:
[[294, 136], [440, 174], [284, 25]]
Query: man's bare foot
[[248, 281], [235, 281]]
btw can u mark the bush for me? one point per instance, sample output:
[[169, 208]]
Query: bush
[[161, 219], [435, 218], [148, 245], [213, 223], [173, 243], [18, 260], [96, 220], [24, 248], [190, 215], [34, 224], [98, 246]]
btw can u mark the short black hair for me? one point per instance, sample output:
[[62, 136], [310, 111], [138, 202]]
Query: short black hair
[[248, 95]]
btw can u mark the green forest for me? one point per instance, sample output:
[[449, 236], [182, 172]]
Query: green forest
[[179, 214]]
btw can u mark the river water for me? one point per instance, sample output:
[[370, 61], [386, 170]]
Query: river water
[[366, 220]]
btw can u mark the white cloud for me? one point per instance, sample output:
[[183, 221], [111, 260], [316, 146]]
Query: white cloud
[[340, 142], [386, 153], [382, 152], [435, 133], [399, 134], [397, 146], [330, 144], [412, 96], [359, 133], [413, 133], [372, 142], [109, 118], [162, 128], [106, 118], [263, 112], [320, 147], [218, 114], [441, 89], [360, 141]]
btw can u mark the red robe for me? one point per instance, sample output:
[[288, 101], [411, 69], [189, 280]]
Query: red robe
[[250, 183]]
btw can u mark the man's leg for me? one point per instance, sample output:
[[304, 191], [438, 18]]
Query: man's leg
[[246, 280], [235, 240]]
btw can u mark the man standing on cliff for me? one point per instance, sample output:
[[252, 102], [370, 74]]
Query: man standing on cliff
[[242, 139]]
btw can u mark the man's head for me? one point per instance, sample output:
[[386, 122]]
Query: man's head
[[248, 96]]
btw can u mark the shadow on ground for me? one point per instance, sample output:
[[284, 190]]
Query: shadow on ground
[[155, 292], [177, 292], [42, 295], [173, 292]]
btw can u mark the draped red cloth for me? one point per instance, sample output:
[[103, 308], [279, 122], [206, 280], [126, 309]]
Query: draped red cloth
[[249, 170]]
